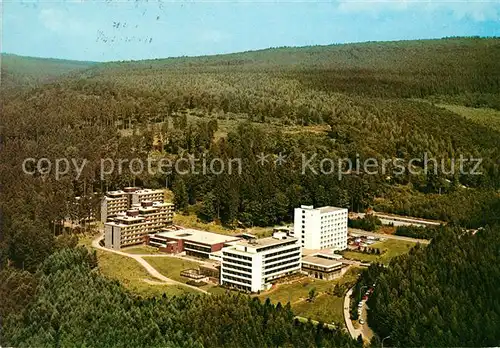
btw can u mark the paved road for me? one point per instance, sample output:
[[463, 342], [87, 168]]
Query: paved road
[[398, 220], [364, 329], [407, 220], [150, 269], [387, 236], [347, 316]]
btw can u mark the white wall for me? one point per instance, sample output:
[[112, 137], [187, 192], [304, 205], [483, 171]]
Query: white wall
[[104, 210], [112, 240], [315, 227], [108, 243], [311, 237], [257, 276], [256, 272]]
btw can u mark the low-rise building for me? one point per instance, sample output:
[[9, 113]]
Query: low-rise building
[[321, 228], [321, 266], [193, 242], [116, 202], [252, 265], [135, 224]]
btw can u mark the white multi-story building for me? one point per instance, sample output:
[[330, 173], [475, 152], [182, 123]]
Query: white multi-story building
[[251, 265], [133, 226], [116, 202], [321, 228]]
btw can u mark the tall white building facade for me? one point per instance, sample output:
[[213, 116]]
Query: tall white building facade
[[251, 265], [321, 228]]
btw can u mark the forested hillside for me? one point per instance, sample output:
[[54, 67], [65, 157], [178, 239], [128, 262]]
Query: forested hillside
[[242, 104], [67, 303], [372, 100], [444, 295], [464, 70], [22, 71]]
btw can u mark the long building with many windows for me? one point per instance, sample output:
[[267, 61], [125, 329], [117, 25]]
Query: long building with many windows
[[252, 265], [133, 226], [321, 228], [116, 202], [192, 242]]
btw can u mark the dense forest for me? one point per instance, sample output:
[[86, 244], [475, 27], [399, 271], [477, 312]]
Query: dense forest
[[371, 100], [68, 303], [444, 295], [19, 71], [296, 101]]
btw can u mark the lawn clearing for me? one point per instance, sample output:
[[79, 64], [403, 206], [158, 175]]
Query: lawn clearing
[[392, 247], [133, 276], [359, 256], [219, 290], [325, 307], [141, 250], [171, 267]]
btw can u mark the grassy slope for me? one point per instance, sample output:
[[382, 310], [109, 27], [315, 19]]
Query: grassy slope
[[171, 267], [326, 307], [133, 276], [141, 250], [393, 248], [130, 273]]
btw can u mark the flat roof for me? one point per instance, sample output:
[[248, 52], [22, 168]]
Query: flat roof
[[329, 209], [136, 190], [264, 242], [326, 209], [155, 206], [147, 190], [162, 204], [320, 261], [197, 236], [246, 235]]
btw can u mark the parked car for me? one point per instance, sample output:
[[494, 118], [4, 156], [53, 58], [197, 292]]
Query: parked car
[[360, 304], [365, 297], [361, 321]]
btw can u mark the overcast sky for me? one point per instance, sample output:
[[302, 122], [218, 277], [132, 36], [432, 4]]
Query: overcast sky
[[138, 29]]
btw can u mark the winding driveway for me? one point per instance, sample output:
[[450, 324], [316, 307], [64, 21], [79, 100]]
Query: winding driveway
[[347, 316], [150, 269], [364, 330]]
